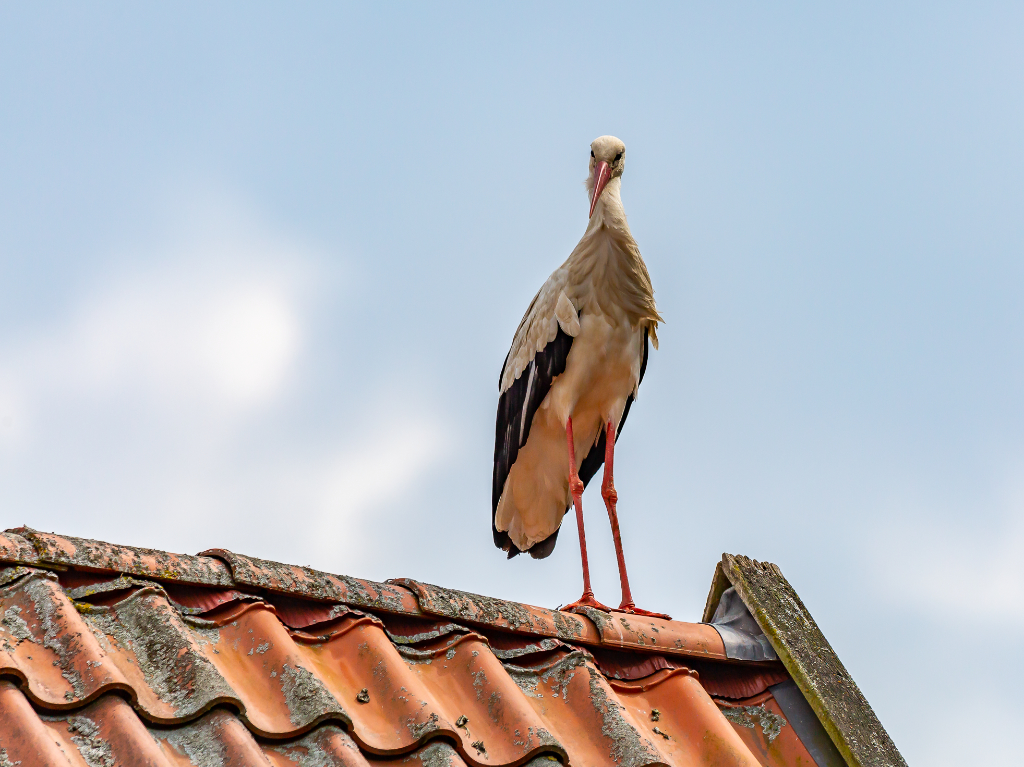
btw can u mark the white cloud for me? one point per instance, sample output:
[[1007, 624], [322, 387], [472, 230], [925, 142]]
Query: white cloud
[[363, 478], [168, 405], [168, 339], [193, 331], [248, 342]]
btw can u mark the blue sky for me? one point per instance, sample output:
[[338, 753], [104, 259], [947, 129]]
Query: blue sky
[[260, 266]]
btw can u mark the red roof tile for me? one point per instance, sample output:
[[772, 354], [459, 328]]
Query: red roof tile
[[111, 655]]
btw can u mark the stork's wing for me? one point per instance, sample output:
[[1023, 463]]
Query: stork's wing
[[550, 310], [538, 354], [595, 458]]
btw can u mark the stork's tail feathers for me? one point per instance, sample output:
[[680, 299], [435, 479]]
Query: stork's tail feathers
[[539, 550]]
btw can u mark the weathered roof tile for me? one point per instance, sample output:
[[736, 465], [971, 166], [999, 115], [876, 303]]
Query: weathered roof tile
[[131, 656]]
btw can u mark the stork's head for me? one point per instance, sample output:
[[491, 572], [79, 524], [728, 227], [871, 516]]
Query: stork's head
[[607, 159]]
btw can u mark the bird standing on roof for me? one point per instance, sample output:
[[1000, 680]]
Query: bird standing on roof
[[567, 384]]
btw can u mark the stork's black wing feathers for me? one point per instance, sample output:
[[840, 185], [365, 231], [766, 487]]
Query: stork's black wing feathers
[[516, 407], [595, 458]]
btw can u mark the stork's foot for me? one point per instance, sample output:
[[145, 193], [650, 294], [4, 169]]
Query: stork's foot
[[632, 609], [587, 600]]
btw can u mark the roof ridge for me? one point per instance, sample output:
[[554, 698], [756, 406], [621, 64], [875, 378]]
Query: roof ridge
[[222, 568]]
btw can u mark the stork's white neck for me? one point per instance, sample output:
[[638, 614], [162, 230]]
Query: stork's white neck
[[609, 212]]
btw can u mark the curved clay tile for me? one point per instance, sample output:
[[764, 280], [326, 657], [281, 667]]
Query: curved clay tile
[[116, 668], [45, 642]]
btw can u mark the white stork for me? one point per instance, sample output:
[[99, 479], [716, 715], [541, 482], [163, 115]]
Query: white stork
[[573, 371]]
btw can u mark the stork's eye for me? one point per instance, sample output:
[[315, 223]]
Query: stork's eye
[[618, 157], [591, 152]]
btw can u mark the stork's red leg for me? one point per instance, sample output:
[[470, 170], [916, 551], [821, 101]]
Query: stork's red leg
[[611, 498], [576, 487]]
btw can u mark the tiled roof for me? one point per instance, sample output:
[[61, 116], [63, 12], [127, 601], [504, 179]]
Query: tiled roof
[[112, 655]]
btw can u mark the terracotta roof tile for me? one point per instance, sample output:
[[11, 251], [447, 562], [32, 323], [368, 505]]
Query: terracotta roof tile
[[15, 548], [128, 656]]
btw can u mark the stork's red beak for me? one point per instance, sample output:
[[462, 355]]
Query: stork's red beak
[[601, 175]]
